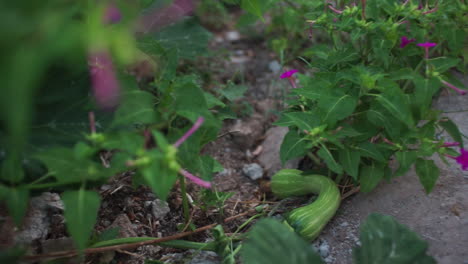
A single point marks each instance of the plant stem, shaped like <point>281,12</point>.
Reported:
<point>185,205</point>
<point>184,244</point>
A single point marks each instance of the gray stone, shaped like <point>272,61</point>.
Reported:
<point>324,250</point>
<point>125,226</point>
<point>232,36</point>
<point>37,221</point>
<point>205,257</point>
<point>159,208</point>
<point>274,66</point>
<point>246,132</point>
<point>253,171</point>
<point>270,158</point>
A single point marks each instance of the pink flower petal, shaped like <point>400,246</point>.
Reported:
<point>195,179</point>
<point>192,130</point>
<point>112,14</point>
<point>105,85</point>
<point>427,44</point>
<point>463,159</point>
<point>288,74</point>
<point>405,41</point>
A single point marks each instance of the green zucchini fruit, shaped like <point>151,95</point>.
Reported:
<point>308,220</point>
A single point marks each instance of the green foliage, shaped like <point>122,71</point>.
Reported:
<point>383,240</point>
<point>360,77</point>
<point>81,208</point>
<point>272,242</point>
<point>187,37</point>
<point>48,138</point>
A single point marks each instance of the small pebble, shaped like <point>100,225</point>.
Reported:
<point>232,36</point>
<point>253,171</point>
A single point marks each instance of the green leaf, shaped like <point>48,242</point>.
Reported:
<point>187,37</point>
<point>443,64</point>
<point>350,159</point>
<point>428,173</point>
<point>380,117</point>
<point>370,150</point>
<point>81,208</point>
<point>293,146</point>
<point>255,7</point>
<point>405,159</point>
<point>327,156</point>
<point>336,108</point>
<point>303,120</point>
<point>16,200</point>
<point>189,98</point>
<point>385,241</point>
<point>272,242</point>
<point>423,93</point>
<point>12,169</point>
<point>402,74</point>
<point>137,108</point>
<point>212,101</point>
<point>232,91</point>
<point>452,129</point>
<point>397,106</point>
<point>158,175</point>
<point>370,176</point>
<point>67,168</point>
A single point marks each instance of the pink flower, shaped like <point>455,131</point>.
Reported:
<point>450,144</point>
<point>463,159</point>
<point>196,180</point>
<point>334,9</point>
<point>426,46</point>
<point>112,14</point>
<point>192,130</point>
<point>456,89</point>
<point>405,41</point>
<point>288,74</point>
<point>105,85</point>
<point>186,174</point>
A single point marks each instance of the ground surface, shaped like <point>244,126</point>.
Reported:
<point>440,218</point>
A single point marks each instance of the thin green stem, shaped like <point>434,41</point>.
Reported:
<point>47,185</point>
<point>42,178</point>
<point>185,205</point>
<point>247,222</point>
<point>184,244</point>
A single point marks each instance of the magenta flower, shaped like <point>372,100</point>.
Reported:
<point>289,75</point>
<point>112,14</point>
<point>426,46</point>
<point>463,159</point>
<point>405,41</point>
<point>456,89</point>
<point>450,144</point>
<point>195,179</point>
<point>105,85</point>
<point>334,9</point>
<point>186,174</point>
<point>192,130</point>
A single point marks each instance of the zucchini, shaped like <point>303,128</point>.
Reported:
<point>308,220</point>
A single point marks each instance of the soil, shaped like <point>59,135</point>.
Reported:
<point>441,218</point>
